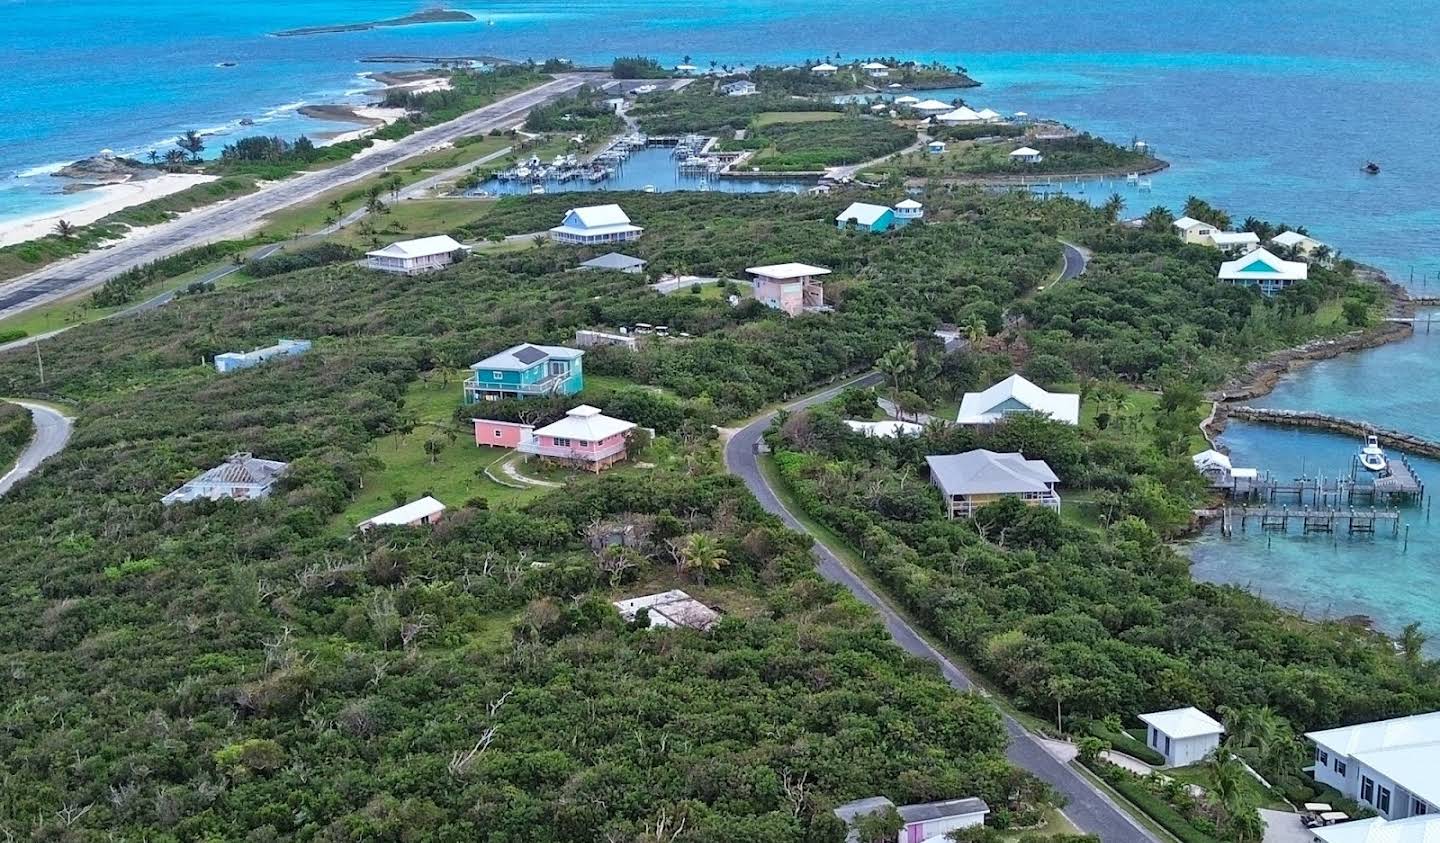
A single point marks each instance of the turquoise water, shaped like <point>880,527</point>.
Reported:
<point>1262,110</point>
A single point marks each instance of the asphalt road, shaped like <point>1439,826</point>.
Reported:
<point>52,432</point>
<point>1076,259</point>
<point>233,217</point>
<point>1087,807</point>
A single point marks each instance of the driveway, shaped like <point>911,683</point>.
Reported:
<point>1284,827</point>
<point>52,432</point>
<point>1088,808</point>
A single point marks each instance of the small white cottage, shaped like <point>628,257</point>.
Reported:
<point>411,257</point>
<point>1027,155</point>
<point>1183,735</point>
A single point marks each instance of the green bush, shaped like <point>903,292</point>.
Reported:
<point>1154,807</point>
<point>1123,741</point>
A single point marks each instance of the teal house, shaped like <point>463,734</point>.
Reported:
<point>862,216</point>
<point>526,371</point>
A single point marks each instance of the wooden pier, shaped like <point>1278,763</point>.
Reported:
<point>1279,519</point>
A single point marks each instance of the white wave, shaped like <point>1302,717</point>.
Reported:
<point>42,170</point>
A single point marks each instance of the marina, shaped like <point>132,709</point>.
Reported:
<point>637,162</point>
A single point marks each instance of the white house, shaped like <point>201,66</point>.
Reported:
<point>908,210</point>
<point>412,257</point>
<point>963,114</point>
<point>935,147</point>
<point>887,429</point>
<point>233,360</point>
<point>670,609</point>
<point>931,108</point>
<point>930,822</point>
<point>989,115</point>
<point>1264,271</point>
<point>595,224</point>
<point>1295,240</point>
<point>1418,829</point>
<point>1194,231</point>
<point>824,69</point>
<point>1235,242</point>
<point>976,478</point>
<point>1218,470</point>
<point>241,477</point>
<point>875,69</point>
<point>1017,395</point>
<point>1392,765</point>
<point>421,513</point>
<point>1027,155</point>
<point>1183,735</point>
<point>742,88</point>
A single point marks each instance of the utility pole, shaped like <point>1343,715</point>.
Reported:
<point>40,362</point>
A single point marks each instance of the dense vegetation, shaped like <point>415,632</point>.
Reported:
<point>1082,153</point>
<point>585,113</point>
<point>249,671</point>
<point>812,146</point>
<point>16,428</point>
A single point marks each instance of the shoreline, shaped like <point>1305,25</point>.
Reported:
<point>416,19</point>
<point>104,201</point>
<point>1008,179</point>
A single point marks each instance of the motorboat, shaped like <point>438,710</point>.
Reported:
<point>537,189</point>
<point>1372,456</point>
<point>649,188</point>
<point>1371,168</point>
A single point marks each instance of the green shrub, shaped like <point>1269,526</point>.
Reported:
<point>1122,741</point>
<point>1154,807</point>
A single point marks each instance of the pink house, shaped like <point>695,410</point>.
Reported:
<point>791,287</point>
<point>502,434</point>
<point>585,438</point>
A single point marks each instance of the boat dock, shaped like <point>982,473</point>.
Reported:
<point>1326,520</point>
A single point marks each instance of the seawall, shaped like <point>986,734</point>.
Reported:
<point>1322,421</point>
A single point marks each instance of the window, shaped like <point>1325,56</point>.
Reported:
<point>1322,757</point>
<point>1167,745</point>
<point>1418,808</point>
<point>499,376</point>
<point>1339,767</point>
<point>561,442</point>
<point>1382,801</point>
<point>497,433</point>
<point>1367,789</point>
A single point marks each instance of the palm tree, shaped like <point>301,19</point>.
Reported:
<point>336,206</point>
<point>192,143</point>
<point>154,156</point>
<point>1412,640</point>
<point>975,330</point>
<point>895,363</point>
<point>65,229</point>
<point>1112,207</point>
<point>700,554</point>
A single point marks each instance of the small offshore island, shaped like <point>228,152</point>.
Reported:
<point>427,16</point>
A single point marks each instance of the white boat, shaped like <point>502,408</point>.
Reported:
<point>537,189</point>
<point>649,188</point>
<point>1372,456</point>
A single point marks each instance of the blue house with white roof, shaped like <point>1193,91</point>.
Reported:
<point>862,216</point>
<point>526,371</point>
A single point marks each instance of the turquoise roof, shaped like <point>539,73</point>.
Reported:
<point>1258,266</point>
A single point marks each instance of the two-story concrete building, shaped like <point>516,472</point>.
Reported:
<point>1392,765</point>
<point>791,287</point>
<point>526,371</point>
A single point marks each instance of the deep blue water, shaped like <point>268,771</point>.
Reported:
<point>1262,110</point>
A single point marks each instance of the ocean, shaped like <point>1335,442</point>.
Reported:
<point>1261,110</point>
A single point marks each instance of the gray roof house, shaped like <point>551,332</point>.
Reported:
<point>975,478</point>
<point>241,477</point>
<point>615,262</point>
<point>929,822</point>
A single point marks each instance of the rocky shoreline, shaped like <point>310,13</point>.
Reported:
<point>1260,377</point>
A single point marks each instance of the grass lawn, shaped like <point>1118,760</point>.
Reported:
<point>1055,822</point>
<point>613,382</point>
<point>766,118</point>
<point>411,218</point>
<point>456,475</point>
<point>1201,775</point>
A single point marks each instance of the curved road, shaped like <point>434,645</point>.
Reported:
<point>52,432</point>
<point>1076,258</point>
<point>1088,808</point>
<point>235,216</point>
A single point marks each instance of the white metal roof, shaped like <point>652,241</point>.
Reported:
<point>1380,734</point>
<point>593,216</point>
<point>989,113</point>
<point>980,407</point>
<point>982,472</point>
<point>587,424</point>
<point>874,65</point>
<point>613,260</point>
<point>933,105</point>
<point>423,247</point>
<point>410,512</point>
<point>1412,767</point>
<point>1187,223</point>
<point>887,429</point>
<point>523,356</point>
<point>1424,828</point>
<point>1179,723</point>
<point>824,68</point>
<point>863,213</point>
<point>909,204</point>
<point>1292,238</point>
<point>785,271</point>
<point>906,100</point>
<point>1260,265</point>
<point>1235,238</point>
<point>1211,457</point>
<point>1024,152</point>
<point>963,114</point>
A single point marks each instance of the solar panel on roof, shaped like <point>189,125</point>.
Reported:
<point>530,354</point>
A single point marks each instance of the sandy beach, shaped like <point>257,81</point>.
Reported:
<point>100,202</point>
<point>373,116</point>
